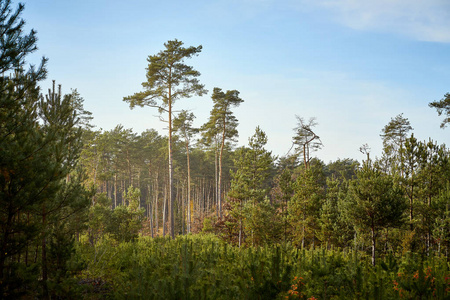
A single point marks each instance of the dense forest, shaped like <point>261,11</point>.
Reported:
<point>105,214</point>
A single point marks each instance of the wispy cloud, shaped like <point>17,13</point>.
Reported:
<point>425,20</point>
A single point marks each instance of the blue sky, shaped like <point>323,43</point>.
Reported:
<point>353,65</point>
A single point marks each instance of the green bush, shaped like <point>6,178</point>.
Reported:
<point>205,267</point>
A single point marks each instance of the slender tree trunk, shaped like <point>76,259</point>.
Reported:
<point>411,206</point>
<point>285,218</point>
<point>373,245</point>
<point>189,210</point>
<point>156,203</point>
<point>115,190</point>
<point>164,211</point>
<point>219,193</point>
<point>183,206</point>
<point>216,175</point>
<point>171,187</point>
<point>304,157</point>
<point>150,209</point>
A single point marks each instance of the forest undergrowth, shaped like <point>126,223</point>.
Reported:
<point>205,267</point>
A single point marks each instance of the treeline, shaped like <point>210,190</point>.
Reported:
<point>67,191</point>
<point>395,203</point>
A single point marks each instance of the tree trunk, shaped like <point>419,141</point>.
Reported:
<point>216,175</point>
<point>150,209</point>
<point>183,208</point>
<point>189,212</point>
<point>304,157</point>
<point>164,211</point>
<point>219,193</point>
<point>156,204</point>
<point>171,187</point>
<point>411,206</point>
<point>115,190</point>
<point>373,245</point>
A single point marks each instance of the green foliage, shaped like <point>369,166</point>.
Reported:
<point>126,221</point>
<point>305,139</point>
<point>334,228</point>
<point>42,201</point>
<point>24,169</point>
<point>249,186</point>
<point>222,122</point>
<point>253,167</point>
<point>394,135</point>
<point>169,79</point>
<point>204,267</point>
<point>262,222</point>
<point>304,207</point>
<point>374,202</point>
<point>99,215</point>
<point>220,129</point>
<point>443,107</point>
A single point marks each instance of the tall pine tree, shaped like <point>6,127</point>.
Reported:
<point>169,79</point>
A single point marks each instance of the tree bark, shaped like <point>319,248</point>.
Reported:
<point>171,187</point>
<point>373,245</point>
<point>115,190</point>
<point>219,193</point>
<point>188,188</point>
<point>164,211</point>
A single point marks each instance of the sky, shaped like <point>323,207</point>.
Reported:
<point>352,65</point>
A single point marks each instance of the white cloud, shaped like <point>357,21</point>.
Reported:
<point>425,20</point>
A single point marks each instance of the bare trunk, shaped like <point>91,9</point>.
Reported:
<point>183,206</point>
<point>216,197</point>
<point>164,211</point>
<point>373,245</point>
<point>411,206</point>
<point>219,193</point>
<point>156,204</point>
<point>304,157</point>
<point>189,213</point>
<point>171,187</point>
<point>150,210</point>
<point>115,190</point>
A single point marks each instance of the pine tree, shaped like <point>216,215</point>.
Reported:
<point>23,166</point>
<point>222,124</point>
<point>183,124</point>
<point>443,107</point>
<point>169,79</point>
<point>251,181</point>
<point>394,135</point>
<point>374,202</point>
<point>40,187</point>
<point>306,139</point>
<point>304,207</point>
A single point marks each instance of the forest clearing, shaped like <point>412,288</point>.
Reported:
<point>113,214</point>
